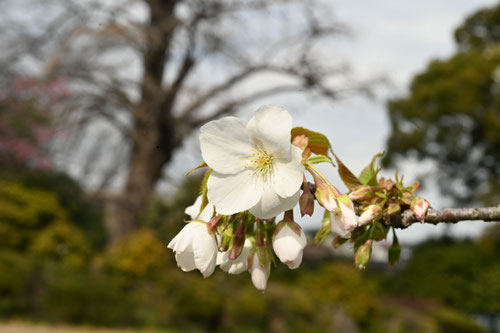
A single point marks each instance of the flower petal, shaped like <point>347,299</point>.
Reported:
<point>225,145</point>
<point>205,251</point>
<point>183,240</point>
<point>270,128</point>
<point>194,211</point>
<point>288,175</point>
<point>185,261</point>
<point>289,246</point>
<point>259,274</point>
<point>232,194</point>
<point>271,204</point>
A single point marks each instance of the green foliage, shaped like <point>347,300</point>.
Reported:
<point>84,212</point>
<point>23,212</point>
<point>460,274</point>
<point>451,114</point>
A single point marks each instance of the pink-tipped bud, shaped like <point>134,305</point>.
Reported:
<point>361,193</point>
<point>362,256</point>
<point>301,141</point>
<point>238,241</point>
<point>326,194</point>
<point>393,208</point>
<point>306,201</point>
<point>370,213</point>
<point>419,207</point>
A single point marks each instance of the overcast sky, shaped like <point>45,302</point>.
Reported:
<point>392,37</point>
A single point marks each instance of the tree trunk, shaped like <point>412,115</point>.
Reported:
<point>153,133</point>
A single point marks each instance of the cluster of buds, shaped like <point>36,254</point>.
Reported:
<point>257,171</point>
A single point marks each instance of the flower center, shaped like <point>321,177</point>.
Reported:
<point>261,162</point>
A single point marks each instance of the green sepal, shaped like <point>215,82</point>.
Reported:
<point>395,250</point>
<point>202,165</point>
<point>204,190</point>
<point>338,241</point>
<point>324,230</point>
<point>360,236</point>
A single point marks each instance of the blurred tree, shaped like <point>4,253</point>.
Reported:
<point>152,71</point>
<point>452,116</point>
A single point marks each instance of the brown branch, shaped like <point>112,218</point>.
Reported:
<point>448,215</point>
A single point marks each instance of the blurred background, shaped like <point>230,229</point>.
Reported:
<point>100,106</point>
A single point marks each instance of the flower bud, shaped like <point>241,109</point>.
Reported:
<point>393,208</point>
<point>306,201</point>
<point>370,213</point>
<point>343,219</point>
<point>214,221</point>
<point>361,193</point>
<point>238,240</point>
<point>326,194</point>
<point>238,265</point>
<point>362,256</point>
<point>259,270</point>
<point>288,243</point>
<point>419,207</point>
<point>301,141</point>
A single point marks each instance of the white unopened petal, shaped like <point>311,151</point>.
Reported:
<point>288,174</point>
<point>259,274</point>
<point>343,221</point>
<point>225,145</point>
<point>289,246</point>
<point>272,204</point>
<point>232,194</point>
<point>271,128</point>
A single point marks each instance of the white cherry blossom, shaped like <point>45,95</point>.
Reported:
<point>194,246</point>
<point>255,166</point>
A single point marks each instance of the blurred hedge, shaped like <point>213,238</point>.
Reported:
<point>51,270</point>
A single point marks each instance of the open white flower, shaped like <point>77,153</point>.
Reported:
<point>343,219</point>
<point>238,265</point>
<point>255,167</point>
<point>194,246</point>
<point>194,211</point>
<point>259,274</point>
<point>288,243</point>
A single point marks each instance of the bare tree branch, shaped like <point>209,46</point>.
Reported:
<point>448,215</point>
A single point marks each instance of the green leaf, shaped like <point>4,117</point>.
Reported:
<point>349,179</point>
<point>360,236</point>
<point>324,230</point>
<point>369,174</point>
<point>202,165</point>
<point>394,250</point>
<point>318,143</point>
<point>378,231</point>
<point>319,159</point>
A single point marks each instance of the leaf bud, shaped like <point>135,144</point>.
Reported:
<point>419,207</point>
<point>361,193</point>
<point>393,208</point>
